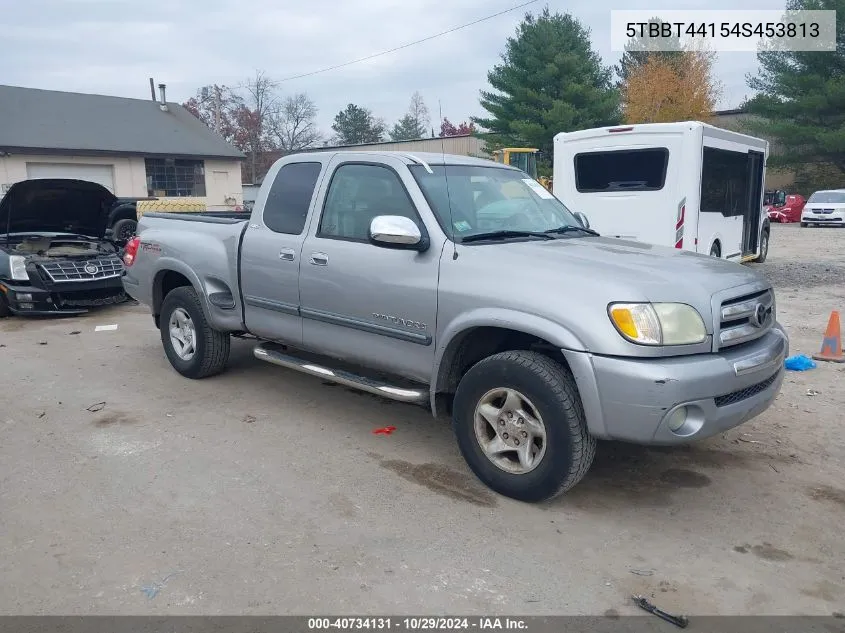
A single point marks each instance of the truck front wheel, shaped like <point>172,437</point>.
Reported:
<point>193,347</point>
<point>521,427</point>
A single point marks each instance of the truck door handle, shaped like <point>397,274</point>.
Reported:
<point>287,254</point>
<point>319,259</point>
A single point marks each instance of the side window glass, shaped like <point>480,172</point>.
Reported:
<point>359,193</point>
<point>290,197</point>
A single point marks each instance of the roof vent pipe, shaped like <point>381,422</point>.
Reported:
<point>162,102</point>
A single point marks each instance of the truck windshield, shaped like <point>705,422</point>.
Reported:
<point>485,199</point>
<point>828,197</point>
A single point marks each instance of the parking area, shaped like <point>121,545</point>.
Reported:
<point>126,489</point>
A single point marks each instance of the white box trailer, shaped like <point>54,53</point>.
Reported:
<point>689,185</point>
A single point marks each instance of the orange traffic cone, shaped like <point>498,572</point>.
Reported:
<point>832,341</point>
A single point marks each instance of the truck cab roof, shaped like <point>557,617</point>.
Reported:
<point>410,158</point>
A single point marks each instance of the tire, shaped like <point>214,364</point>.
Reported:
<point>764,247</point>
<point>4,306</point>
<point>550,390</point>
<point>210,347</point>
<point>716,250</point>
<point>123,230</point>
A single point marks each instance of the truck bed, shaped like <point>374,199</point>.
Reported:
<point>187,242</point>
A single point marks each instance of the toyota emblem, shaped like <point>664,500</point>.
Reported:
<point>91,269</point>
<point>760,314</point>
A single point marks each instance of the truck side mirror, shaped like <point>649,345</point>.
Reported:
<point>582,219</point>
<point>396,231</point>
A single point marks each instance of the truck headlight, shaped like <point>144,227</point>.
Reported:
<point>658,323</point>
<point>18,266</point>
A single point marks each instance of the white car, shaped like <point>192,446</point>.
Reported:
<point>825,207</point>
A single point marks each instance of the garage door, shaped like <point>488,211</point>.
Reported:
<point>103,174</point>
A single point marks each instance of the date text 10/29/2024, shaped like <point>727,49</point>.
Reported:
<point>417,624</point>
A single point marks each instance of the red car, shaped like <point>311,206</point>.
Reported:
<point>783,208</point>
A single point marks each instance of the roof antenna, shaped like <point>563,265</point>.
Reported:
<point>446,176</point>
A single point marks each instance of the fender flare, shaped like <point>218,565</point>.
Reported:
<point>503,318</point>
<point>168,264</point>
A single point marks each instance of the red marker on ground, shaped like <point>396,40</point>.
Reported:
<point>387,430</point>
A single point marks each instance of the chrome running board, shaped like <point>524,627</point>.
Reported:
<point>266,353</point>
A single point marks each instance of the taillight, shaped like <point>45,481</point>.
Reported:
<point>131,250</point>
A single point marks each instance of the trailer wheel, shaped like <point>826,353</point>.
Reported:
<point>764,247</point>
<point>716,250</point>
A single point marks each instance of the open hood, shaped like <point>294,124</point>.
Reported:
<point>56,205</point>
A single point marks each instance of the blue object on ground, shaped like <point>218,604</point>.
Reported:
<point>801,362</point>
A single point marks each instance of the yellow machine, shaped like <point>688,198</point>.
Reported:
<point>524,158</point>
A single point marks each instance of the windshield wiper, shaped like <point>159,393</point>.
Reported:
<point>569,228</point>
<point>503,235</point>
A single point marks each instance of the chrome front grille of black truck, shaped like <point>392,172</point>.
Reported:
<point>746,318</point>
<point>82,270</point>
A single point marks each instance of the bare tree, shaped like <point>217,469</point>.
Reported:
<point>419,112</point>
<point>255,116</point>
<point>293,124</point>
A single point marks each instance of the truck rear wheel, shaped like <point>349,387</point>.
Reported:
<point>193,348</point>
<point>521,427</point>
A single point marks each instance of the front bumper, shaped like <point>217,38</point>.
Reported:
<point>74,298</point>
<point>835,218</point>
<point>633,400</point>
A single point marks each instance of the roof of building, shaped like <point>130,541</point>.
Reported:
<point>75,123</point>
<point>729,112</point>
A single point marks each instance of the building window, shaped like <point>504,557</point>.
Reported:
<point>172,177</point>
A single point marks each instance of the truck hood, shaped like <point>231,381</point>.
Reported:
<point>55,205</point>
<point>568,283</point>
<point>641,266</point>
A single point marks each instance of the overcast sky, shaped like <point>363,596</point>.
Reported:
<point>114,46</point>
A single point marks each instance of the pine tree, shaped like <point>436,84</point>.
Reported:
<point>800,106</point>
<point>550,80</point>
<point>356,125</point>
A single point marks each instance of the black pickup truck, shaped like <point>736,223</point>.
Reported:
<point>60,246</point>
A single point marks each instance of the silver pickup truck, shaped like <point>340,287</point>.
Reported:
<point>464,285</point>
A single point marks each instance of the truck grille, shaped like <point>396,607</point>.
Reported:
<point>83,270</point>
<point>746,318</point>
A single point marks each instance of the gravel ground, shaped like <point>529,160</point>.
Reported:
<point>264,491</point>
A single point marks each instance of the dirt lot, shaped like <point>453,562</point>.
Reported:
<point>264,491</point>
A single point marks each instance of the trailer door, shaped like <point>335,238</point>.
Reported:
<point>725,191</point>
<point>754,210</point>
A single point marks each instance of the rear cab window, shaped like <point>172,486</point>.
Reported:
<point>289,198</point>
<point>621,170</point>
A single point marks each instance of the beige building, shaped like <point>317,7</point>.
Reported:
<point>134,147</point>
